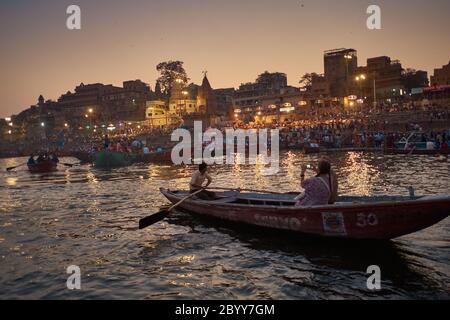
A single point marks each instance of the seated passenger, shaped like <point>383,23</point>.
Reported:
<point>319,190</point>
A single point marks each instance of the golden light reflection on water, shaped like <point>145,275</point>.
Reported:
<point>186,259</point>
<point>11,181</point>
<point>92,179</point>
<point>359,174</point>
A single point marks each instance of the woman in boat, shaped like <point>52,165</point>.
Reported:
<point>319,190</point>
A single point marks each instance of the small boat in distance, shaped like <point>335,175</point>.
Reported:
<point>111,159</point>
<point>43,166</point>
<point>370,218</point>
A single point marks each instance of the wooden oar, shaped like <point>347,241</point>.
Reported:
<point>12,168</point>
<point>68,164</point>
<point>161,215</point>
<point>248,190</point>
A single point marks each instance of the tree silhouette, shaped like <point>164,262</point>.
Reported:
<point>170,71</point>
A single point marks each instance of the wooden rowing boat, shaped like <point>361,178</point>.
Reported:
<point>352,217</point>
<point>43,167</point>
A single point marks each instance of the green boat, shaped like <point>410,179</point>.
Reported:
<point>111,159</point>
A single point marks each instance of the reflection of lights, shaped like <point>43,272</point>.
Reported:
<point>259,113</point>
<point>236,115</point>
<point>11,181</point>
<point>351,103</point>
<point>10,124</point>
<point>86,116</point>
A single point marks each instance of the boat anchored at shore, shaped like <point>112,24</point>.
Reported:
<point>370,218</point>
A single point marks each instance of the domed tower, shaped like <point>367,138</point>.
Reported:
<point>41,100</point>
<point>206,100</point>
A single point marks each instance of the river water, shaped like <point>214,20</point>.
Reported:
<point>88,217</point>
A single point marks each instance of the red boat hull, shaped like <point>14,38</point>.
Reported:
<point>43,167</point>
<point>375,221</point>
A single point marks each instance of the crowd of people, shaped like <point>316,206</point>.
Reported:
<point>329,128</point>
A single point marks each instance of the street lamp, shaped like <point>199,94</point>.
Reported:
<point>359,79</point>
<point>185,94</point>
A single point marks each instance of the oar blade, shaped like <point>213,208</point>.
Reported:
<point>154,218</point>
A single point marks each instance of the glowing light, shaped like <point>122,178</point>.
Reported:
<point>66,125</point>
<point>42,124</point>
<point>9,132</point>
<point>8,119</point>
<point>287,109</point>
<point>91,110</point>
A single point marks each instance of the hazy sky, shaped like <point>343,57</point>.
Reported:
<point>234,40</point>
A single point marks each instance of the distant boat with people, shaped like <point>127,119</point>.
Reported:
<point>42,167</point>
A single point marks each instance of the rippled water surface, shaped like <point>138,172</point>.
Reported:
<point>88,217</point>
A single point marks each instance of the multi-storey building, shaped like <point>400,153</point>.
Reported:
<point>339,65</point>
<point>441,76</point>
<point>382,78</point>
<point>249,95</point>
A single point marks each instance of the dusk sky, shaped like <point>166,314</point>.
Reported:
<point>234,40</point>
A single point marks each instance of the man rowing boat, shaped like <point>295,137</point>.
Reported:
<point>198,178</point>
